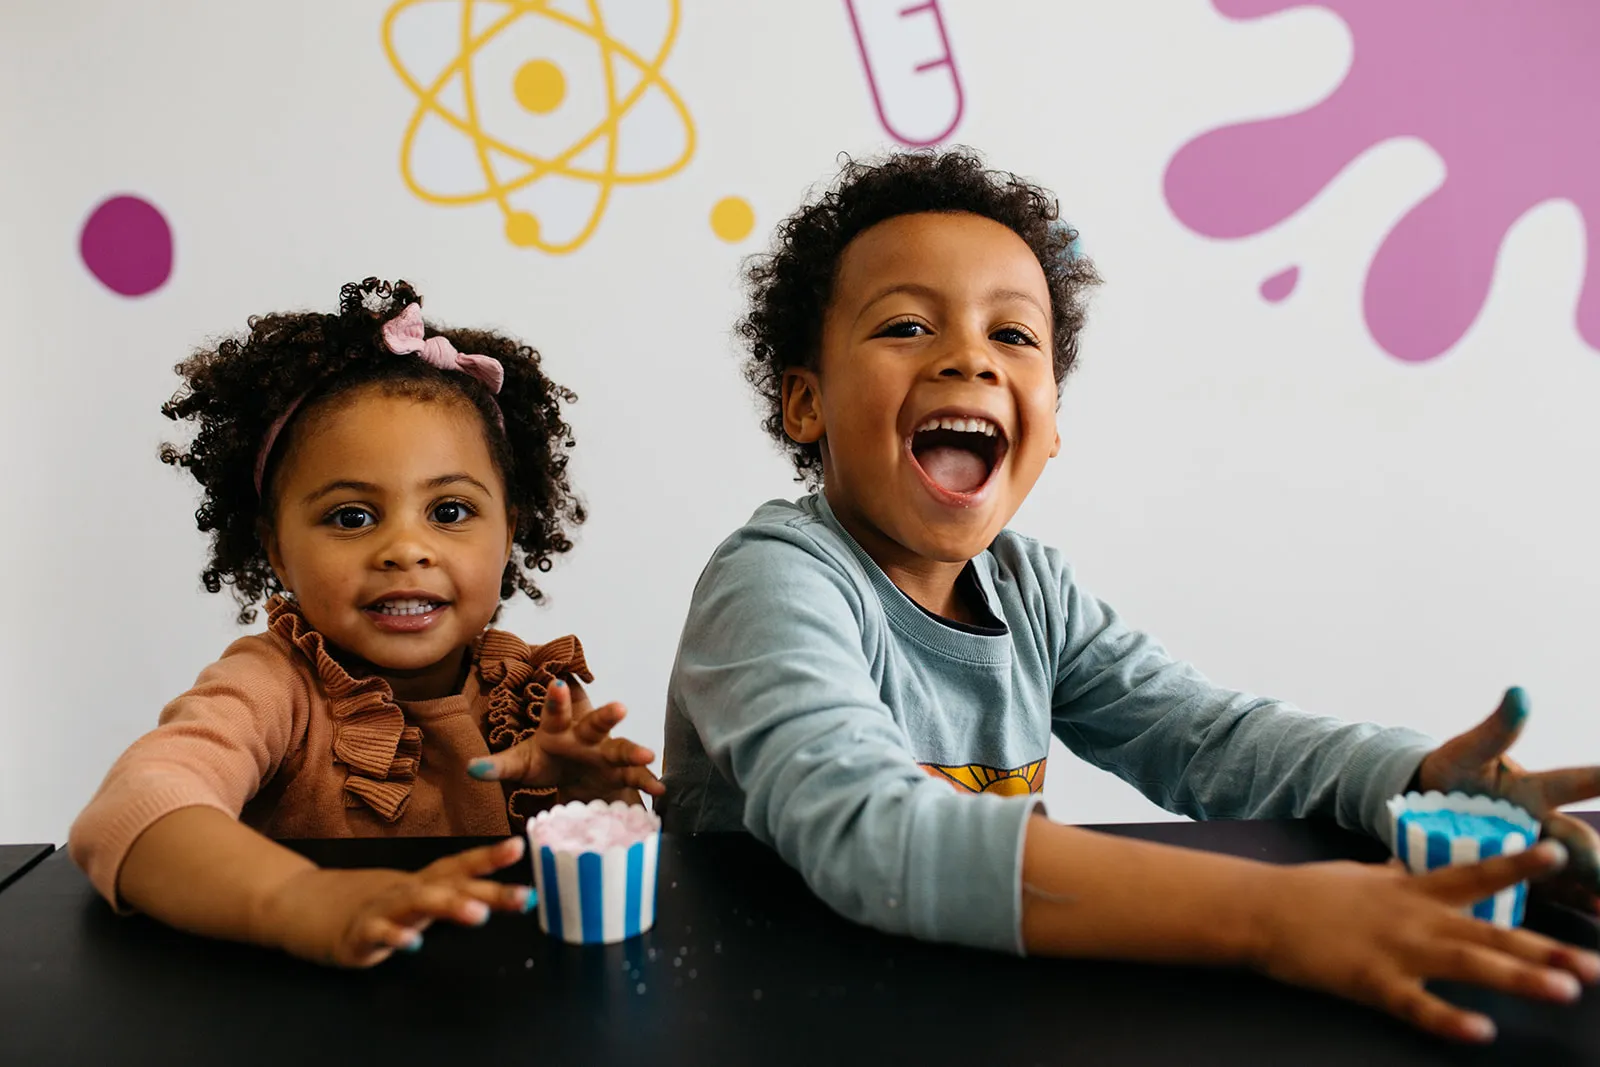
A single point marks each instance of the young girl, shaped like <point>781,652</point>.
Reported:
<point>385,486</point>
<point>856,665</point>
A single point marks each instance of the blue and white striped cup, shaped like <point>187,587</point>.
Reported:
<point>595,897</point>
<point>1425,839</point>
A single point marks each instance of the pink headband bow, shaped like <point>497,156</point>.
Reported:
<point>402,335</point>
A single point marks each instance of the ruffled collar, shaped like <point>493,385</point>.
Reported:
<point>515,677</point>
<point>383,753</point>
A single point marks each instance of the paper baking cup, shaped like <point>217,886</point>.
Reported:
<point>1422,848</point>
<point>601,894</point>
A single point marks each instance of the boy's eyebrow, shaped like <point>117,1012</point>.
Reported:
<point>928,292</point>
<point>997,295</point>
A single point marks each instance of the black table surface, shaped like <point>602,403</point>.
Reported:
<point>17,860</point>
<point>743,966</point>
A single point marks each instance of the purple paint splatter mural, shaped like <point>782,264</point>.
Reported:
<point>1505,91</point>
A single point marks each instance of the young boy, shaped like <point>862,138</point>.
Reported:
<point>857,665</point>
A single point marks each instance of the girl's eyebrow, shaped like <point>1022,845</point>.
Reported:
<point>368,487</point>
<point>342,483</point>
<point>460,476</point>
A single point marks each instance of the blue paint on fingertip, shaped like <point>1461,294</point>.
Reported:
<point>1516,704</point>
<point>530,900</point>
<point>414,945</point>
<point>482,769</point>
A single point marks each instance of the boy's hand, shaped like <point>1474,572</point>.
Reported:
<point>1375,934</point>
<point>361,918</point>
<point>573,751</point>
<point>1475,762</point>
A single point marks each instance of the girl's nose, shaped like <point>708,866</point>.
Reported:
<point>405,550</point>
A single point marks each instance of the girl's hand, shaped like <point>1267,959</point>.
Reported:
<point>1475,762</point>
<point>360,918</point>
<point>1375,934</point>
<point>573,750</point>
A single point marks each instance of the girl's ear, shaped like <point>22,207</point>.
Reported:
<point>511,532</point>
<point>269,541</point>
<point>802,406</point>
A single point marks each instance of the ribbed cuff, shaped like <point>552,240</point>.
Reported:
<point>103,835</point>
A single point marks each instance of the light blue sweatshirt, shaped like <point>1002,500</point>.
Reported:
<point>817,706</point>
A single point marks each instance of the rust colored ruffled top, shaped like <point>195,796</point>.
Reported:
<point>282,736</point>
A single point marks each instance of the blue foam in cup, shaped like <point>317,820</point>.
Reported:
<point>1433,830</point>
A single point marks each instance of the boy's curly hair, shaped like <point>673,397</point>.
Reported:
<point>234,391</point>
<point>790,287</point>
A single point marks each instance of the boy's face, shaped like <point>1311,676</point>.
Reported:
<point>392,531</point>
<point>935,397</point>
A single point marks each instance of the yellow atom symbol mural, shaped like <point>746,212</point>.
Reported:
<point>542,107</point>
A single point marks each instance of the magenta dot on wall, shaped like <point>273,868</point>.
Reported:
<point>1280,285</point>
<point>127,244</point>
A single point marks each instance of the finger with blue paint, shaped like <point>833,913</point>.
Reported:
<point>1475,762</point>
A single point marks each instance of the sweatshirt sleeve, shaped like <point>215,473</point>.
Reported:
<point>216,745</point>
<point>774,677</point>
<point>1122,703</point>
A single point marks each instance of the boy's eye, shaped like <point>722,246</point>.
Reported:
<point>352,518</point>
<point>907,328</point>
<point>1013,335</point>
<point>450,512</point>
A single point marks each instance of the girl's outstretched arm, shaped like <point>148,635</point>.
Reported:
<point>201,871</point>
<point>1371,933</point>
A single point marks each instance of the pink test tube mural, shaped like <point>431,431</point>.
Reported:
<point>911,71</point>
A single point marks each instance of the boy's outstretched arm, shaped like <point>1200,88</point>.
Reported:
<point>1373,934</point>
<point>1122,703</point>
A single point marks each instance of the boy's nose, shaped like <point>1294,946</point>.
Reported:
<point>969,358</point>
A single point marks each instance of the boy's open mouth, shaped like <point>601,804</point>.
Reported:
<point>958,454</point>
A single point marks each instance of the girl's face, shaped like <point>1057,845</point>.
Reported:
<point>392,531</point>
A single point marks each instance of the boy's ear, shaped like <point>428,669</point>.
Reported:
<point>1055,449</point>
<point>802,406</point>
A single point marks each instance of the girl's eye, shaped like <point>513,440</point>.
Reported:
<point>450,512</point>
<point>1014,335</point>
<point>906,328</point>
<point>352,518</point>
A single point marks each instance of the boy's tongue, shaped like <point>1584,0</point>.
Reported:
<point>958,470</point>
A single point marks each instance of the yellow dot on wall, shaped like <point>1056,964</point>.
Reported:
<point>732,218</point>
<point>522,229</point>
<point>540,86</point>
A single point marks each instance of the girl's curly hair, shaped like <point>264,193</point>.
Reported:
<point>790,287</point>
<point>235,390</point>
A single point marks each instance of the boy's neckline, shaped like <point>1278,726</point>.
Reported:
<point>935,587</point>
<point>966,584</point>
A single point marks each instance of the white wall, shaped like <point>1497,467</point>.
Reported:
<point>1259,484</point>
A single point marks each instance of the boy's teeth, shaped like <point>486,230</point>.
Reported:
<point>406,607</point>
<point>983,426</point>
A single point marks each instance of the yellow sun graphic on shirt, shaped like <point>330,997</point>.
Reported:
<point>976,778</point>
